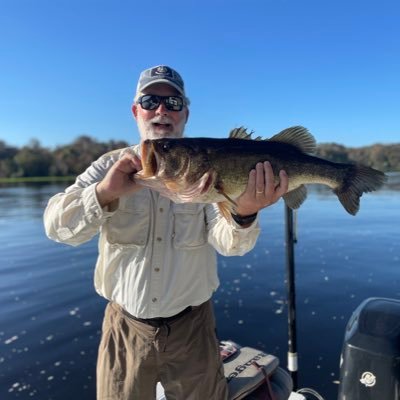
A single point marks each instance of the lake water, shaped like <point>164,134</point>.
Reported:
<point>51,317</point>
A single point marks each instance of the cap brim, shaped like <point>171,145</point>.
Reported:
<point>163,81</point>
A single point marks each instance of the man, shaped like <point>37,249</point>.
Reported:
<point>157,260</point>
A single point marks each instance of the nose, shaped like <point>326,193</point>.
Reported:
<point>161,109</point>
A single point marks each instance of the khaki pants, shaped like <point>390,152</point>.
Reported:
<point>183,355</point>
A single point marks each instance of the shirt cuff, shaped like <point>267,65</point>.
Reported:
<point>93,210</point>
<point>253,225</point>
<point>247,220</point>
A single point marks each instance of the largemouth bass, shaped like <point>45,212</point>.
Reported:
<point>208,170</point>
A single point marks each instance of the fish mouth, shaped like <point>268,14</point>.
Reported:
<point>150,161</point>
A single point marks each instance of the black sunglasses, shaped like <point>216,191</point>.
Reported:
<point>152,102</point>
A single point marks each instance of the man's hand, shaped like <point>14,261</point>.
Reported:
<point>118,180</point>
<point>261,190</point>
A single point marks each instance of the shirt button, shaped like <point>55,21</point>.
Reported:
<point>159,239</point>
<point>161,209</point>
<point>157,269</point>
<point>154,299</point>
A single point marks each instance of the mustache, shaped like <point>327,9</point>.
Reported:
<point>161,120</point>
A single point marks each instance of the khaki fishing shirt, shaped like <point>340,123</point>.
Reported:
<point>155,257</point>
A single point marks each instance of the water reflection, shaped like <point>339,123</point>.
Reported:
<point>51,316</point>
<point>26,200</point>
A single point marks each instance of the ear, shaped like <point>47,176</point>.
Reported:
<point>187,114</point>
<point>134,110</point>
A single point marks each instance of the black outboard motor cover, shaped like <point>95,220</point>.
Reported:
<point>370,360</point>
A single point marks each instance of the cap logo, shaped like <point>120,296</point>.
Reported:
<point>161,70</point>
<point>160,73</point>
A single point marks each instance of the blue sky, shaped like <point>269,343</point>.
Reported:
<point>70,68</point>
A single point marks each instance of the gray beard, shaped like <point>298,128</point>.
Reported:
<point>147,132</point>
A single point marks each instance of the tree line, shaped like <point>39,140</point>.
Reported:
<point>34,160</point>
<point>385,157</point>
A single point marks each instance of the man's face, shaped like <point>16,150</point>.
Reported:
<point>161,122</point>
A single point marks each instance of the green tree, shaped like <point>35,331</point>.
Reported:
<point>333,152</point>
<point>8,167</point>
<point>33,160</point>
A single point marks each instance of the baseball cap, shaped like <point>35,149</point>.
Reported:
<point>160,74</point>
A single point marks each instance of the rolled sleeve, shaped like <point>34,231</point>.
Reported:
<point>228,237</point>
<point>75,216</point>
<point>92,209</point>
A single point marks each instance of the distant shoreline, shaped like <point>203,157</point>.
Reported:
<point>392,175</point>
<point>44,179</point>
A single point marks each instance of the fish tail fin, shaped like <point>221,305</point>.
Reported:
<point>360,179</point>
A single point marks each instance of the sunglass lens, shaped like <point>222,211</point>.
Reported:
<point>174,103</point>
<point>149,102</point>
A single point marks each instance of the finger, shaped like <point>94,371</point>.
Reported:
<point>260,180</point>
<point>282,188</point>
<point>251,183</point>
<point>269,178</point>
<point>137,162</point>
<point>128,164</point>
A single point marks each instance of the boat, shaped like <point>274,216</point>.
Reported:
<point>369,360</point>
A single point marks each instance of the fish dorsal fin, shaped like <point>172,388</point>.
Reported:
<point>297,136</point>
<point>241,133</point>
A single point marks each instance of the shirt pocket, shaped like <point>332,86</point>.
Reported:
<point>130,224</point>
<point>189,229</point>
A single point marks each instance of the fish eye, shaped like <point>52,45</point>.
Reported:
<point>165,146</point>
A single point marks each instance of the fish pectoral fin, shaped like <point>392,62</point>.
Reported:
<point>221,191</point>
<point>172,185</point>
<point>295,197</point>
<point>225,208</point>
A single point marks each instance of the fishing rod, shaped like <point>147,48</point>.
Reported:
<point>371,343</point>
<point>290,240</point>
